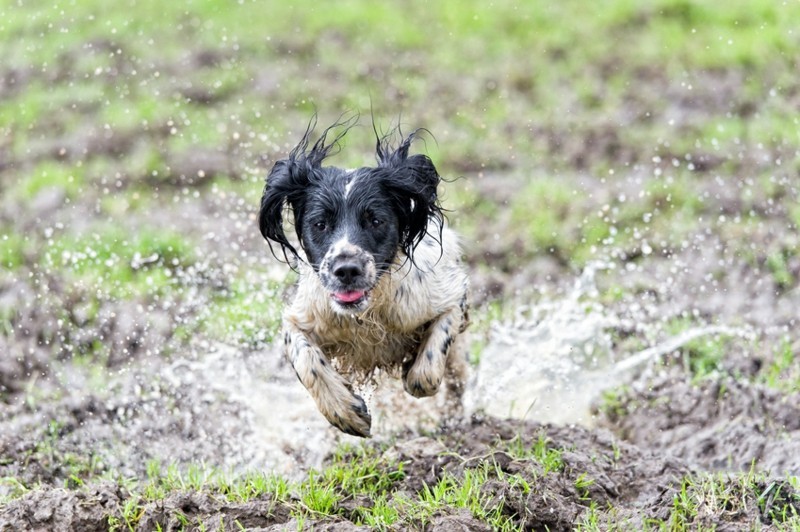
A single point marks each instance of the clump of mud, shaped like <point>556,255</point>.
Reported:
<point>724,424</point>
<point>627,477</point>
<point>98,508</point>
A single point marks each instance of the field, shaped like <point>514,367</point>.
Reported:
<point>626,177</point>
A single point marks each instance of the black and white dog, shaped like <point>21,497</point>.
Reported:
<point>381,283</point>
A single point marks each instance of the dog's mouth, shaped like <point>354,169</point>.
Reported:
<point>350,298</point>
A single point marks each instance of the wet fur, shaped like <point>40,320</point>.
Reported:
<point>415,306</point>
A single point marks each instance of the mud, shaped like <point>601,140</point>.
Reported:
<point>80,424</point>
<point>726,425</point>
<point>639,485</point>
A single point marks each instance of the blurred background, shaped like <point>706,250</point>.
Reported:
<point>639,159</point>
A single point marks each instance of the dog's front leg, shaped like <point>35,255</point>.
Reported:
<point>332,393</point>
<point>425,373</point>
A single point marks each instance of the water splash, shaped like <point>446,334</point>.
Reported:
<point>547,363</point>
<point>554,358</point>
<point>535,366</point>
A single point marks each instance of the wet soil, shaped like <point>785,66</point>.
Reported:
<point>75,423</point>
<point>724,425</point>
<point>638,483</point>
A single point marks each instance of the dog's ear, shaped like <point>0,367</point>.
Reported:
<point>412,182</point>
<point>286,185</point>
<point>289,181</point>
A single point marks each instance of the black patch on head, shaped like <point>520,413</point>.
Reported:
<point>365,214</point>
<point>387,208</point>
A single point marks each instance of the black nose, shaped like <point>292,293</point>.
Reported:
<point>348,271</point>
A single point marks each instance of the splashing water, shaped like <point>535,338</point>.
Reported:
<point>536,366</point>
<point>546,364</point>
<point>553,359</point>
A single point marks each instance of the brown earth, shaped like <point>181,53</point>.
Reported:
<point>184,402</point>
<point>639,483</point>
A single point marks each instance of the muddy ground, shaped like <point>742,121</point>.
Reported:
<point>108,376</point>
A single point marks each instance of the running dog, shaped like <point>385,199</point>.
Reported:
<point>381,285</point>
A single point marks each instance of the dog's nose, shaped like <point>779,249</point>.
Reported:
<point>348,271</point>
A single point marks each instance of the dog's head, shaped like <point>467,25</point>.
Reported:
<point>351,224</point>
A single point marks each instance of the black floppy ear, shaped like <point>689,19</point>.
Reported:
<point>286,185</point>
<point>289,180</point>
<point>412,182</point>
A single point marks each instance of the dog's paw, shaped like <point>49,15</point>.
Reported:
<point>352,418</point>
<point>419,381</point>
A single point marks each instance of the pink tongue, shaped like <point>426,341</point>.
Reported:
<point>348,297</point>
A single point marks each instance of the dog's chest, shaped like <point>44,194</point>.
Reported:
<point>404,304</point>
<point>358,345</point>
<point>384,336</point>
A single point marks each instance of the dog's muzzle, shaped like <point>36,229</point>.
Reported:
<point>349,275</point>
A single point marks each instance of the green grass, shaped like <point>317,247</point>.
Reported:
<point>671,32</point>
<point>132,200</point>
<point>552,216</point>
<point>247,311</point>
<point>12,250</point>
<point>87,272</point>
<point>540,209</point>
<point>244,315</point>
<point>702,499</point>
<point>115,263</point>
<point>162,481</point>
<point>481,321</point>
<point>74,468</point>
<point>614,402</point>
<point>352,472</point>
<point>778,265</point>
<point>363,486</point>
<point>465,492</point>
<point>49,174</point>
<point>12,488</point>
<point>702,357</point>
<point>708,501</point>
<point>532,94</point>
<point>782,371</point>
<point>539,450</point>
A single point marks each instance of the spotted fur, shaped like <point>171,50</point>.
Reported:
<point>381,284</point>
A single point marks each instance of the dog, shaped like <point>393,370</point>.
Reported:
<point>381,284</point>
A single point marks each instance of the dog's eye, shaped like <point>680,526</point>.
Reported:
<point>320,226</point>
<point>376,222</point>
